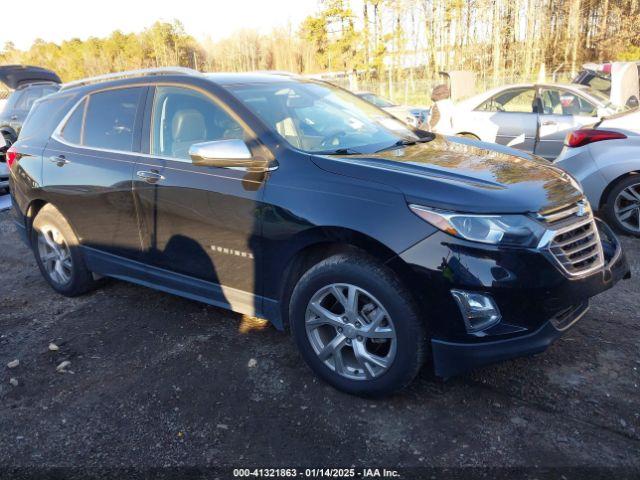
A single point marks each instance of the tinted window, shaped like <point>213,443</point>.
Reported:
<point>32,94</point>
<point>516,101</point>
<point>72,130</point>
<point>44,117</point>
<point>110,119</point>
<point>182,117</point>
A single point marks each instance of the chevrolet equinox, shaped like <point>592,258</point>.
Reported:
<point>380,247</point>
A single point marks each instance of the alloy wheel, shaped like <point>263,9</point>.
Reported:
<point>351,331</point>
<point>55,255</point>
<point>627,207</point>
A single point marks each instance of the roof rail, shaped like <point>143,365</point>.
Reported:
<point>131,74</point>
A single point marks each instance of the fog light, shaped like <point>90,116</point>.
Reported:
<point>479,311</point>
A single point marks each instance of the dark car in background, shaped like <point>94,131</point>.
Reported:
<point>380,247</point>
<point>26,84</point>
<point>23,85</point>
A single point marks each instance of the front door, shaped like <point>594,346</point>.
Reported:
<point>562,111</point>
<point>509,118</point>
<point>201,223</point>
<point>88,167</point>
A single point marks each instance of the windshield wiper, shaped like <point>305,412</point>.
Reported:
<point>405,142</point>
<point>340,151</point>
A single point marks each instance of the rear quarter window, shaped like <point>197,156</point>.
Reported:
<point>72,130</point>
<point>45,116</point>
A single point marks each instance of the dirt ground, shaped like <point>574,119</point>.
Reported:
<point>160,381</point>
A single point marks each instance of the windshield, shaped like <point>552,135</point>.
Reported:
<point>606,102</point>
<point>376,100</point>
<point>320,118</point>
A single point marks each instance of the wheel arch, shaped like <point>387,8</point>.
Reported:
<point>32,211</point>
<point>322,242</point>
<point>611,185</point>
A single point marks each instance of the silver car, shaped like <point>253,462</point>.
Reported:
<point>535,118</point>
<point>606,162</point>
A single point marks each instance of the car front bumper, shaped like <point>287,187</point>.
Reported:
<point>536,300</point>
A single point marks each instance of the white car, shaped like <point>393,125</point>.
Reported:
<point>607,164</point>
<point>620,81</point>
<point>535,118</point>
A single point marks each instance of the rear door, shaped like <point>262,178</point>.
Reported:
<point>88,168</point>
<point>511,118</point>
<point>561,112</point>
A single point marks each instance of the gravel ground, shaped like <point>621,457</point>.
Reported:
<point>156,380</point>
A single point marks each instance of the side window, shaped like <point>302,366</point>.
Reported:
<point>110,119</point>
<point>562,102</point>
<point>515,101</point>
<point>182,117</point>
<point>72,130</point>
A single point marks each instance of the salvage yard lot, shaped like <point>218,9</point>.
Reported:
<point>156,380</point>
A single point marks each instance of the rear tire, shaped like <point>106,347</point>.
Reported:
<point>622,208</point>
<point>58,255</point>
<point>373,349</point>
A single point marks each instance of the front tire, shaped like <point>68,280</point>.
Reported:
<point>57,253</point>
<point>622,207</point>
<point>357,326</point>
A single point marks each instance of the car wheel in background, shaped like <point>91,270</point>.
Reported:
<point>57,253</point>
<point>357,326</point>
<point>622,207</point>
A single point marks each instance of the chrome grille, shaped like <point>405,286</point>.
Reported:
<point>575,243</point>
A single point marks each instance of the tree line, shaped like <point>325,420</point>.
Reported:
<point>383,39</point>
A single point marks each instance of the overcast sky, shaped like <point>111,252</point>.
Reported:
<point>61,20</point>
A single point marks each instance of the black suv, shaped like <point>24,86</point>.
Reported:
<point>290,199</point>
<point>27,84</point>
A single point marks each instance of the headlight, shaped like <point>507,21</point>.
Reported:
<point>512,230</point>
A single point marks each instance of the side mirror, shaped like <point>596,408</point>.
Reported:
<point>221,153</point>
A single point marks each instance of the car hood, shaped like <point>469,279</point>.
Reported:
<point>463,175</point>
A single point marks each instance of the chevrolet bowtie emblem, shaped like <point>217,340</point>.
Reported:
<point>582,210</point>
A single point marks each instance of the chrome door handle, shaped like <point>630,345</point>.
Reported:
<point>59,160</point>
<point>14,117</point>
<point>549,122</point>
<point>150,177</point>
